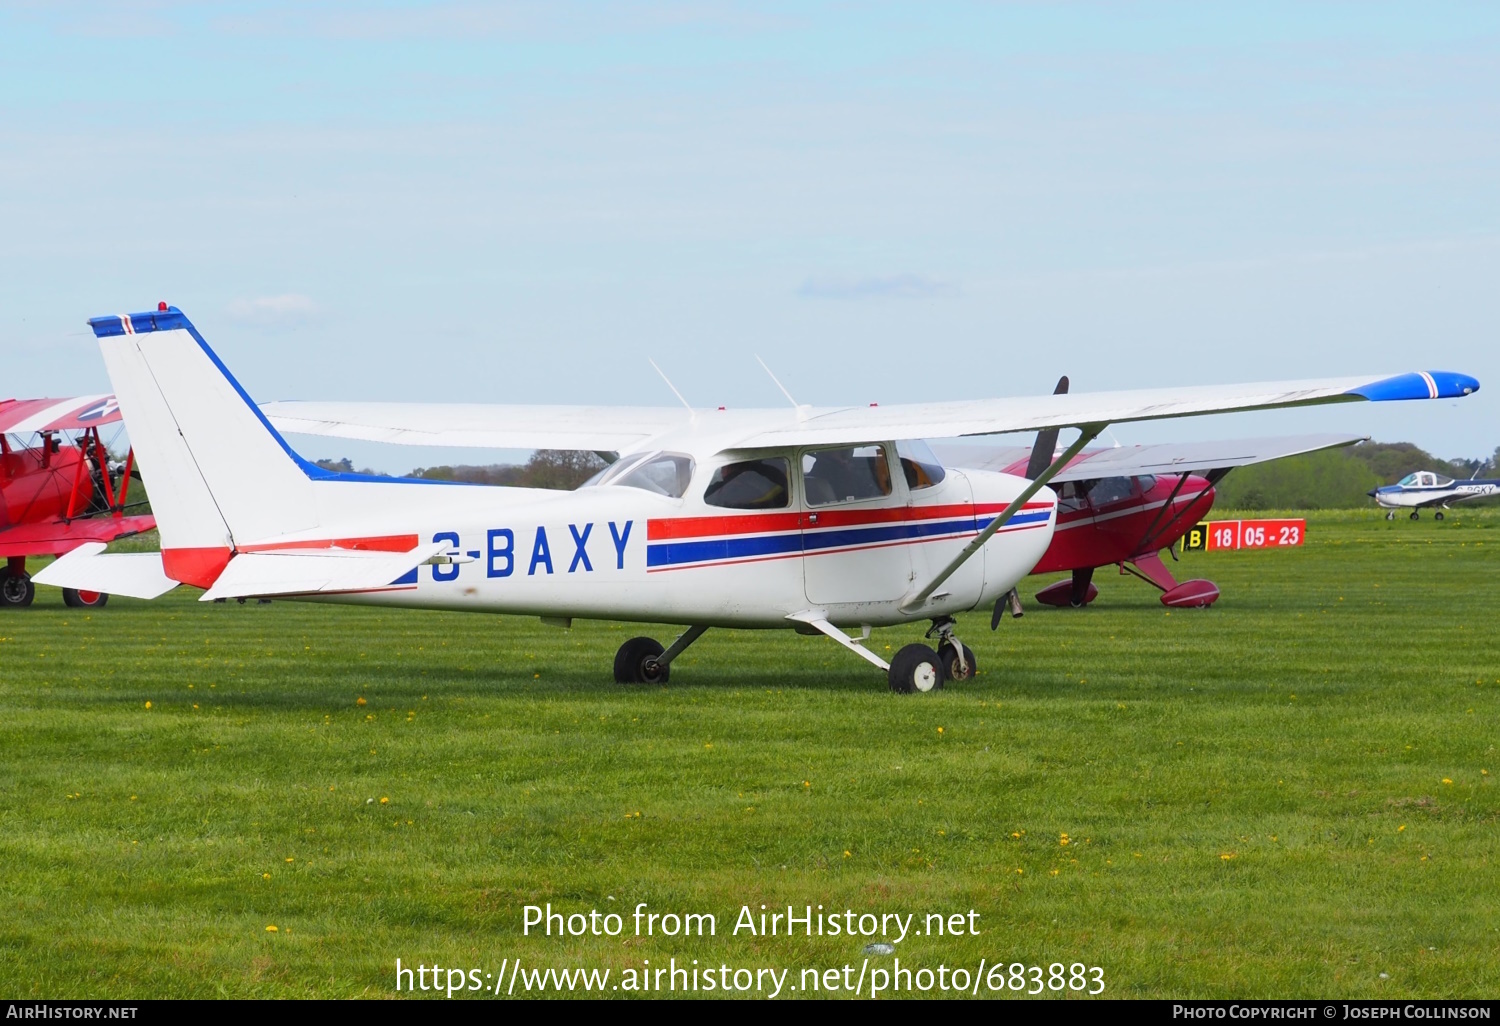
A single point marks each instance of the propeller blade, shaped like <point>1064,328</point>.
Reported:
<point>1046,441</point>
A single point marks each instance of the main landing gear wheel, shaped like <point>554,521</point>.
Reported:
<point>952,669</point>
<point>1415,515</point>
<point>916,668</point>
<point>636,663</point>
<point>1438,515</point>
<point>1391,515</point>
<point>75,599</point>
<point>16,589</point>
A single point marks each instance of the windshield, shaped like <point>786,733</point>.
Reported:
<point>919,465</point>
<point>665,473</point>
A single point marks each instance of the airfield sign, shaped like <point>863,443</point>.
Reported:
<point>1212,536</point>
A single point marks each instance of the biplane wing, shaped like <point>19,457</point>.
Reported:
<point>29,416</point>
<point>55,537</point>
<point>1135,460</point>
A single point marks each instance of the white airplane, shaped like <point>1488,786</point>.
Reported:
<point>1425,488</point>
<point>815,519</point>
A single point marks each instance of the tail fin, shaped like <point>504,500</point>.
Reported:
<point>220,475</point>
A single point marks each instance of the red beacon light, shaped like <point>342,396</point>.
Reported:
<point>161,307</point>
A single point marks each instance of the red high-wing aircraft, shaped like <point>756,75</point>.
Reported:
<point>56,493</point>
<point>1123,506</point>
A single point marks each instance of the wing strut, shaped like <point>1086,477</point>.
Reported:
<point>1087,433</point>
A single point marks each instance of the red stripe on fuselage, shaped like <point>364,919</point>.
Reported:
<point>673,529</point>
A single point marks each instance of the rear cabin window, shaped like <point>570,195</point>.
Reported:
<point>750,484</point>
<point>846,474</point>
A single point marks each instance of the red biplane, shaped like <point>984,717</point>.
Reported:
<point>58,488</point>
<point>1123,506</point>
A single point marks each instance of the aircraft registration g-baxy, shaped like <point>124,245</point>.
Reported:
<point>816,519</point>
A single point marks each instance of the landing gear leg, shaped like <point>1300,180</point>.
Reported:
<point>956,658</point>
<point>1081,581</point>
<point>1391,515</point>
<point>644,661</point>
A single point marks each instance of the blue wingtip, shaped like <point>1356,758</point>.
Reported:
<point>1419,385</point>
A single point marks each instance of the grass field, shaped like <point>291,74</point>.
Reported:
<point>1290,794</point>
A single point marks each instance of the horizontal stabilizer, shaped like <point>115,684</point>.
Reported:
<point>87,568</point>
<point>313,572</point>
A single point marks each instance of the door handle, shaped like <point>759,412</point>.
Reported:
<point>812,518</point>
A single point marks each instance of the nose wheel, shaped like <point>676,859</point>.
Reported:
<point>1391,515</point>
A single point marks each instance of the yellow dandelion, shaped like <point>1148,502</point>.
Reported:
<point>360,700</point>
<point>1401,828</point>
<point>847,853</point>
<point>132,797</point>
<point>265,876</point>
<point>1484,773</point>
<point>148,705</point>
<point>1015,833</point>
<point>1020,872</point>
<point>1447,780</point>
<point>536,676</point>
<point>940,730</point>
<point>271,928</point>
<point>1226,856</point>
<point>1054,872</point>
<point>291,860</point>
<point>195,705</point>
<point>807,783</point>
<point>331,787</point>
<point>385,801</point>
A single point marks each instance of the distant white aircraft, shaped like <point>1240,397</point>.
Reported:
<point>815,519</point>
<point>1425,488</point>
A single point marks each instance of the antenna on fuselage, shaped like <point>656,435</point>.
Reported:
<point>669,384</point>
<point>795,404</point>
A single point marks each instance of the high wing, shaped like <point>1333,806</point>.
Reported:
<point>618,428</point>
<point>27,416</point>
<point>605,428</point>
<point>1134,460</point>
<point>55,537</point>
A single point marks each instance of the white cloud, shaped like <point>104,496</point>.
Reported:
<point>907,286</point>
<point>289,310</point>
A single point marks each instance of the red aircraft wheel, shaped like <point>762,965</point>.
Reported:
<point>16,589</point>
<point>76,599</point>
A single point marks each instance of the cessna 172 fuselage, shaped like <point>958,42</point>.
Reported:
<point>814,519</point>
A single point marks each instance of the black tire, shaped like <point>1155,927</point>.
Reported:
<point>1391,515</point>
<point>948,656</point>
<point>1415,515</point>
<point>916,668</point>
<point>75,599</point>
<point>16,589</point>
<point>636,663</point>
<point>1438,515</point>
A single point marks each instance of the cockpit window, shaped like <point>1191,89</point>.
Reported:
<point>845,474</point>
<point>666,473</point>
<point>1408,480</point>
<point>1441,481</point>
<point>751,484</point>
<point>918,464</point>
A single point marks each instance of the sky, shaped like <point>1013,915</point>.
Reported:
<point>526,202</point>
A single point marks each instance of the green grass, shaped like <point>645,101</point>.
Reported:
<point>1284,795</point>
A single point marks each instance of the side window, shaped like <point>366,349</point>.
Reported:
<point>1071,497</point>
<point>920,467</point>
<point>1109,490</point>
<point>751,484</point>
<point>665,474</point>
<point>846,474</point>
